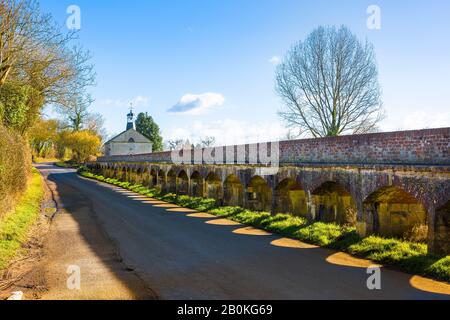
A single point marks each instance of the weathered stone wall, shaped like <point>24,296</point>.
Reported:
<point>430,146</point>
<point>405,147</point>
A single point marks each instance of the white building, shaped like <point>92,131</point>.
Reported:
<point>129,142</point>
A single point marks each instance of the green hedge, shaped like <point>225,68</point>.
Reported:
<point>15,165</point>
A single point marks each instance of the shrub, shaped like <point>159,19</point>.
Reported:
<point>322,234</point>
<point>440,269</point>
<point>15,165</point>
<point>387,250</point>
<point>19,106</point>
<point>82,143</point>
<point>226,211</point>
<point>170,197</point>
<point>206,205</point>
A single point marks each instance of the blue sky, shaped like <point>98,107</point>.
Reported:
<point>218,57</point>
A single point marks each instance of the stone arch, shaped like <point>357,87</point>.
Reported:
<point>259,195</point>
<point>290,198</point>
<point>109,172</point>
<point>132,175</point>
<point>196,184</point>
<point>333,203</point>
<point>153,178</point>
<point>116,174</point>
<point>233,191</point>
<point>171,181</point>
<point>145,177</point>
<point>391,211</point>
<point>161,180</point>
<point>442,229</point>
<point>124,174</point>
<point>183,183</point>
<point>213,186</point>
<point>139,175</point>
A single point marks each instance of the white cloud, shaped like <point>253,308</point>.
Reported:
<point>138,102</point>
<point>275,60</point>
<point>230,131</point>
<point>141,101</point>
<point>195,104</point>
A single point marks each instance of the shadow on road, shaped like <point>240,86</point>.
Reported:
<point>77,239</point>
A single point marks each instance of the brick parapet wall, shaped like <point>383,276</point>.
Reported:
<point>426,147</point>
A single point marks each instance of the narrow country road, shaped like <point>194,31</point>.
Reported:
<point>182,254</point>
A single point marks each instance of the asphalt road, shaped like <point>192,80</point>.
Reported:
<point>186,255</point>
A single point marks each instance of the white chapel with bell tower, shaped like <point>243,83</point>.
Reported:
<point>129,142</point>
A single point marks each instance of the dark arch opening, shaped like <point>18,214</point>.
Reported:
<point>123,176</point>
<point>233,191</point>
<point>183,183</point>
<point>138,176</point>
<point>153,178</point>
<point>196,184</point>
<point>333,203</point>
<point>290,198</point>
<point>132,174</point>
<point>145,177</point>
<point>131,140</point>
<point>259,195</point>
<point>110,172</point>
<point>162,180</point>
<point>442,232</point>
<point>393,212</point>
<point>171,181</point>
<point>213,186</point>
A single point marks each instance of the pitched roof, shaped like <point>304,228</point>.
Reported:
<point>131,133</point>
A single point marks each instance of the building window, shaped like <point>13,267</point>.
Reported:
<point>131,140</point>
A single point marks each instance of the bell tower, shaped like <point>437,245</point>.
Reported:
<point>130,118</point>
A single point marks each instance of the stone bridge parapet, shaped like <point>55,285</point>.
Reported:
<point>393,184</point>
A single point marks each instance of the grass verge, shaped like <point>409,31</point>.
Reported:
<point>409,256</point>
<point>15,225</point>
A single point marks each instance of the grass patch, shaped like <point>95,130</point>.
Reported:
<point>409,256</point>
<point>15,225</point>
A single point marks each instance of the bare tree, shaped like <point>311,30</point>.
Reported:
<point>18,24</point>
<point>76,112</point>
<point>26,36</point>
<point>35,51</point>
<point>175,144</point>
<point>329,83</point>
<point>207,142</point>
<point>94,122</point>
